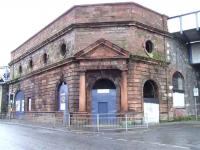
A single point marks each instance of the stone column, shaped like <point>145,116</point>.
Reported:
<point>124,94</point>
<point>82,93</point>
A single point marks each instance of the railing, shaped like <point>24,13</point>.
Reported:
<point>3,116</point>
<point>194,110</point>
<point>100,122</point>
<point>93,122</point>
<point>184,22</point>
<point>89,122</point>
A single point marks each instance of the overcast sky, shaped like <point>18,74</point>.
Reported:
<point>20,19</point>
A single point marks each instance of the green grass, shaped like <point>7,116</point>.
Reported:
<point>186,118</point>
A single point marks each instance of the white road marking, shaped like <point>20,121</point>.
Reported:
<point>109,138</point>
<point>160,144</point>
<point>122,140</point>
<point>152,143</point>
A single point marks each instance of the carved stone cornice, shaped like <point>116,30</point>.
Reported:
<point>91,25</point>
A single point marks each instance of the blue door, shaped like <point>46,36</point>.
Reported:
<point>104,101</point>
<point>63,97</point>
<point>19,103</point>
<point>102,107</point>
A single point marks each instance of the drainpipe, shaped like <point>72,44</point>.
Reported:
<point>189,53</point>
<point>166,70</point>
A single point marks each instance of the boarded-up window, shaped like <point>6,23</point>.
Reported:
<point>178,82</point>
<point>178,90</point>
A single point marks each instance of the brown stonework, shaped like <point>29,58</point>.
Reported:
<point>124,97</point>
<point>82,93</point>
<point>103,41</point>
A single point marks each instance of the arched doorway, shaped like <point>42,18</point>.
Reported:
<point>63,97</point>
<point>104,97</point>
<point>151,102</point>
<point>19,102</point>
<point>178,90</point>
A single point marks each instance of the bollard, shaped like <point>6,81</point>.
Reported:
<point>147,121</point>
<point>126,117</point>
<point>69,120</point>
<point>97,122</point>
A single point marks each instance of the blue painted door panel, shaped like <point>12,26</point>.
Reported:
<point>102,107</point>
<point>19,103</point>
<point>106,99</point>
<point>105,105</point>
<point>151,100</point>
<point>63,97</point>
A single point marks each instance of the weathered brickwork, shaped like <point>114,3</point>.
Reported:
<point>129,38</point>
<point>139,73</point>
<point>100,13</point>
<point>180,62</point>
<point>105,41</point>
<point>93,76</point>
<point>42,88</point>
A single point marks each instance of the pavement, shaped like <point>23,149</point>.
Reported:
<point>168,136</point>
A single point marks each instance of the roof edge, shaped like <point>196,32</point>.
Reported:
<point>86,5</point>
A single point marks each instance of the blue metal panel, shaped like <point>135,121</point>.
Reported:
<point>105,105</point>
<point>63,97</point>
<point>19,103</point>
<point>151,100</point>
<point>109,98</point>
<point>102,107</point>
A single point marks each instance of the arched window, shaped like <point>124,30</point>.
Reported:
<point>19,101</point>
<point>150,90</point>
<point>45,58</point>
<point>63,49</point>
<point>178,82</point>
<point>104,84</point>
<point>63,97</point>
<point>20,69</point>
<point>149,47</point>
<point>30,63</point>
<point>151,101</point>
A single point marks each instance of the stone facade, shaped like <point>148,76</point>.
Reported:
<point>3,98</point>
<point>180,62</point>
<point>101,41</point>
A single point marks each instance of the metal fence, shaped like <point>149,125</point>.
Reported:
<point>100,122</point>
<point>46,119</point>
<point>93,122</point>
<point>194,111</point>
<point>88,122</point>
<point>3,115</point>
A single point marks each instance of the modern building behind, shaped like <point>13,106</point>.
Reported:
<point>105,58</point>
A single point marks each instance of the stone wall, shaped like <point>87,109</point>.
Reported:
<point>53,56</point>
<point>141,71</point>
<point>129,38</point>
<point>4,98</point>
<point>179,61</point>
<point>42,88</point>
<point>115,12</point>
<point>126,26</point>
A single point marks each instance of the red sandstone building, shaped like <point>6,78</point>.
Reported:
<point>104,58</point>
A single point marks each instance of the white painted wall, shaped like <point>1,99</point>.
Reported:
<point>151,112</point>
<point>178,99</point>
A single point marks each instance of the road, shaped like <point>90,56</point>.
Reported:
<point>167,137</point>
